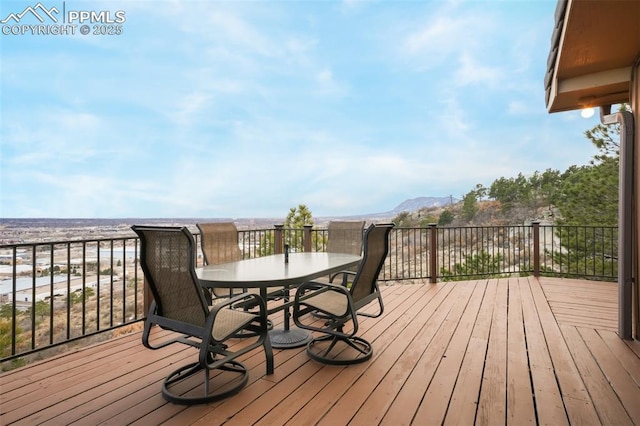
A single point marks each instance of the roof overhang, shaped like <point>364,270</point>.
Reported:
<point>594,47</point>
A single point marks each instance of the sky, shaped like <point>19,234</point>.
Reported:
<point>245,109</point>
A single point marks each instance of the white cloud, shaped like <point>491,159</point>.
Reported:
<point>249,108</point>
<point>471,71</point>
<point>445,32</point>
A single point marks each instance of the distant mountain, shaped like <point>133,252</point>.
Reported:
<point>408,206</point>
<point>416,204</point>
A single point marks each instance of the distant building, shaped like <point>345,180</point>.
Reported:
<point>25,288</point>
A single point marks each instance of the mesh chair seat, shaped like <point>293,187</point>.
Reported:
<point>333,303</point>
<point>229,321</point>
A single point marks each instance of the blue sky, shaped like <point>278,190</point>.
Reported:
<point>248,108</point>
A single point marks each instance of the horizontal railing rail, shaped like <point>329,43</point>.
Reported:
<point>58,292</point>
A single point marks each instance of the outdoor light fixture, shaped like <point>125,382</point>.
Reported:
<point>587,103</point>
<point>587,112</point>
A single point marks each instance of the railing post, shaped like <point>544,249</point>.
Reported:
<point>536,248</point>
<point>432,229</point>
<point>306,239</point>
<point>277,239</point>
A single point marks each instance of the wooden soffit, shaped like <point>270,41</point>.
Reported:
<point>594,47</point>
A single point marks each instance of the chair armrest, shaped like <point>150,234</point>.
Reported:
<point>345,276</point>
<point>319,286</point>
<point>228,302</point>
<point>302,306</point>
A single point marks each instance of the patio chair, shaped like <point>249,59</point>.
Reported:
<point>345,237</point>
<point>167,257</point>
<point>219,244</point>
<point>342,305</point>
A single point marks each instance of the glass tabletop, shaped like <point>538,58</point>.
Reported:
<point>272,270</point>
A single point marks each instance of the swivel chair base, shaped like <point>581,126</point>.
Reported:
<point>321,348</point>
<point>177,380</point>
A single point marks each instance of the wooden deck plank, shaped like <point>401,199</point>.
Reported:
<point>22,383</point>
<point>590,316</point>
<point>326,395</point>
<point>584,322</point>
<point>401,328</point>
<point>520,408</point>
<point>606,402</point>
<point>545,386</point>
<point>145,372</point>
<point>58,389</point>
<point>463,406</point>
<point>492,404</point>
<point>346,409</point>
<point>363,377</point>
<point>433,407</point>
<point>399,377</point>
<point>621,382</point>
<point>577,403</point>
<point>288,361</point>
<point>145,400</point>
<point>620,349</point>
<point>580,304</point>
<point>409,350</point>
<point>543,350</point>
<point>87,402</point>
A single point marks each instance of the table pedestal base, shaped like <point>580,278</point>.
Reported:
<point>292,338</point>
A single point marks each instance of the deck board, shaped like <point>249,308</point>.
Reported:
<point>492,403</point>
<point>546,390</point>
<point>575,397</point>
<point>494,351</point>
<point>433,407</point>
<point>623,385</point>
<point>605,401</point>
<point>520,408</point>
<point>463,405</point>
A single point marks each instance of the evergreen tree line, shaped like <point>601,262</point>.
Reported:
<point>584,195</point>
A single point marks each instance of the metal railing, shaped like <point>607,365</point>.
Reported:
<point>62,291</point>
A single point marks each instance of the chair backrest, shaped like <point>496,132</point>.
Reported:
<point>376,247</point>
<point>219,242</point>
<point>345,237</point>
<point>167,257</point>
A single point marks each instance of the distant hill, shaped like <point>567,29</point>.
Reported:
<point>410,206</point>
<point>416,204</point>
<point>20,230</point>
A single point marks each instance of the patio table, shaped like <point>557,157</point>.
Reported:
<point>272,271</point>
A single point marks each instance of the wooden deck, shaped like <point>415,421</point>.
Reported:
<point>509,351</point>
